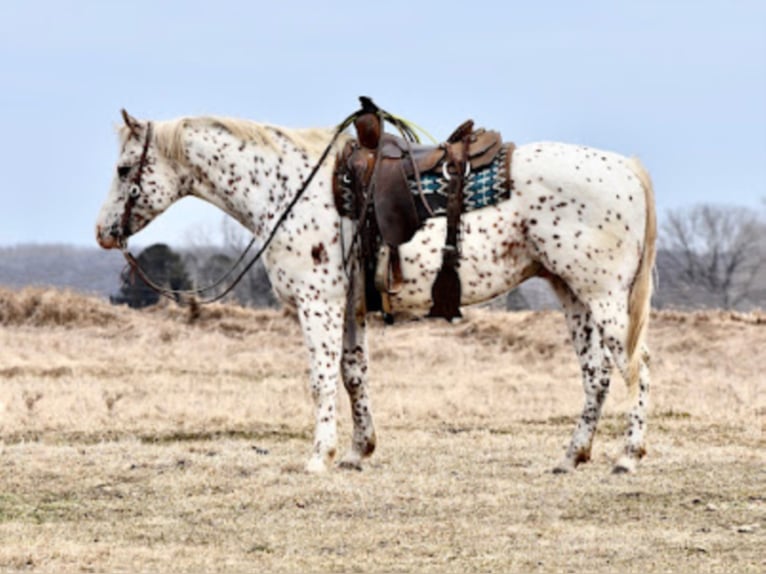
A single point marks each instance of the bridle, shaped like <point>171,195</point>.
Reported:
<point>136,188</point>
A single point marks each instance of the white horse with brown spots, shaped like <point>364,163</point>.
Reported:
<point>582,218</point>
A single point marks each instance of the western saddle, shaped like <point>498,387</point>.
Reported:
<point>372,186</point>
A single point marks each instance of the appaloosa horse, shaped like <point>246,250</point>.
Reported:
<point>582,218</point>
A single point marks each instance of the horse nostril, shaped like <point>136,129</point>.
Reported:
<point>114,230</point>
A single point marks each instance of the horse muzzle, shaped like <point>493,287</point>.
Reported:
<point>110,237</point>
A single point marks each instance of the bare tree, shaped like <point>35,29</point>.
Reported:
<point>713,256</point>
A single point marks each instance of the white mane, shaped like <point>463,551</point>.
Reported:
<point>168,134</point>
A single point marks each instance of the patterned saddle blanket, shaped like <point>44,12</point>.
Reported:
<point>486,186</point>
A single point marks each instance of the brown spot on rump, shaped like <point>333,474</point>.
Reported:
<point>319,254</point>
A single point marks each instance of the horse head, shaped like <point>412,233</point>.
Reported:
<point>146,182</point>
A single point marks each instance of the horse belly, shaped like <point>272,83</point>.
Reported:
<point>494,258</point>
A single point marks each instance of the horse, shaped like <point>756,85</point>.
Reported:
<point>581,218</point>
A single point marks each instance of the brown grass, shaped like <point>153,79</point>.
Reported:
<point>138,442</point>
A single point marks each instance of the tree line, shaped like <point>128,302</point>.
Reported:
<point>712,256</point>
<point>708,257</point>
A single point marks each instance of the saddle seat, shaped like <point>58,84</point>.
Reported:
<point>483,146</point>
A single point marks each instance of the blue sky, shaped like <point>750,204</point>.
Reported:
<point>681,84</point>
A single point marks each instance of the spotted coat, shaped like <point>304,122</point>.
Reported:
<point>580,217</point>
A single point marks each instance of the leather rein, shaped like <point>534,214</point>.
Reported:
<point>136,190</point>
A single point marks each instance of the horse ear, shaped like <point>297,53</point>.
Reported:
<point>130,122</point>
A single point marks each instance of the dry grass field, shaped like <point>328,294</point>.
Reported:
<point>138,442</point>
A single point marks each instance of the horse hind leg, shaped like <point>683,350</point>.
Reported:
<point>634,449</point>
<point>596,367</point>
<point>614,321</point>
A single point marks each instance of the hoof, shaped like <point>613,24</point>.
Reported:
<point>352,460</point>
<point>564,467</point>
<point>350,465</point>
<point>625,465</point>
<point>316,465</point>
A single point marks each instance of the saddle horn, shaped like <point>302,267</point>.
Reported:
<point>368,123</point>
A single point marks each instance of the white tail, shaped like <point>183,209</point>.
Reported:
<point>639,302</point>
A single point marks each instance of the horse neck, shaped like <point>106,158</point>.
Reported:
<point>250,181</point>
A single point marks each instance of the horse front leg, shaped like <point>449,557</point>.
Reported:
<point>322,324</point>
<point>355,376</point>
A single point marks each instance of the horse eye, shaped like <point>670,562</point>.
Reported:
<point>123,171</point>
